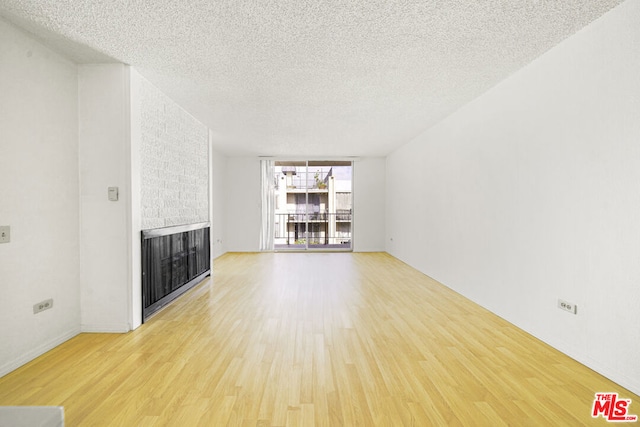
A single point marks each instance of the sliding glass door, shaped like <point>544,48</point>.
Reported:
<point>313,205</point>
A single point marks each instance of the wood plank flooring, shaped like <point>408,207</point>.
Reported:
<point>326,339</point>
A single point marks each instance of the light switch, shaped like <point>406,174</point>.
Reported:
<point>113,194</point>
<point>5,234</point>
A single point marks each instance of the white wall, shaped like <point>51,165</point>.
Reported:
<point>369,204</point>
<point>38,198</point>
<point>243,204</point>
<point>530,194</point>
<point>219,182</point>
<point>134,200</point>
<point>105,235</point>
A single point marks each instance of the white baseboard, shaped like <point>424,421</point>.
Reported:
<point>114,328</point>
<point>36,352</point>
<point>619,378</point>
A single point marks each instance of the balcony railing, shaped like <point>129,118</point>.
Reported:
<point>320,228</point>
<point>305,181</point>
<point>342,215</point>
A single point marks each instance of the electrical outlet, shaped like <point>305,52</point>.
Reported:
<point>42,306</point>
<point>567,306</point>
<point>113,194</point>
<point>5,234</point>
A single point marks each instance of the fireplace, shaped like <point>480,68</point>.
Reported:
<point>174,259</point>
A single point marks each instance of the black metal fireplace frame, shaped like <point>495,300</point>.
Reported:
<point>174,260</point>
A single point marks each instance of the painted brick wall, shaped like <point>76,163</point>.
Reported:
<point>174,163</point>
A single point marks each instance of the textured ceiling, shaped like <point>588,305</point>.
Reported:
<point>311,77</point>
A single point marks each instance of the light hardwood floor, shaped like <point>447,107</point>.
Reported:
<point>334,339</point>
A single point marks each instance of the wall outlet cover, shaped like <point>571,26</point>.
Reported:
<point>43,305</point>
<point>5,234</point>
<point>567,306</point>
